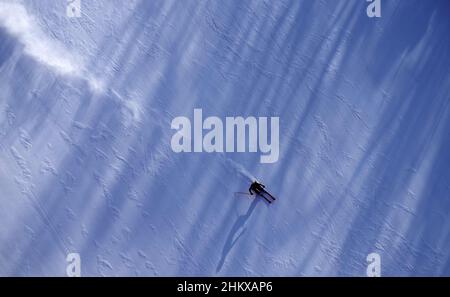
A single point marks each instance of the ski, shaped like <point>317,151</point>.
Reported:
<point>270,195</point>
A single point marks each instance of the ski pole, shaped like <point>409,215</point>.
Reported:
<point>242,193</point>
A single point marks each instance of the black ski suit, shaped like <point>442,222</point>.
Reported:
<point>257,188</point>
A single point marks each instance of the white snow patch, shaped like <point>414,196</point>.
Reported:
<point>134,109</point>
<point>97,86</point>
<point>18,22</point>
<point>131,110</point>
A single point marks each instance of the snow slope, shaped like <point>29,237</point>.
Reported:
<point>86,164</point>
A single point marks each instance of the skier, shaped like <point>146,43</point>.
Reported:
<point>259,190</point>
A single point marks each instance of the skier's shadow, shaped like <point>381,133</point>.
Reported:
<point>231,241</point>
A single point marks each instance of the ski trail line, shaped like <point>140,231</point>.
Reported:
<point>239,168</point>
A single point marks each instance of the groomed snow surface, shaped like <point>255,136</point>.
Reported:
<point>86,165</point>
